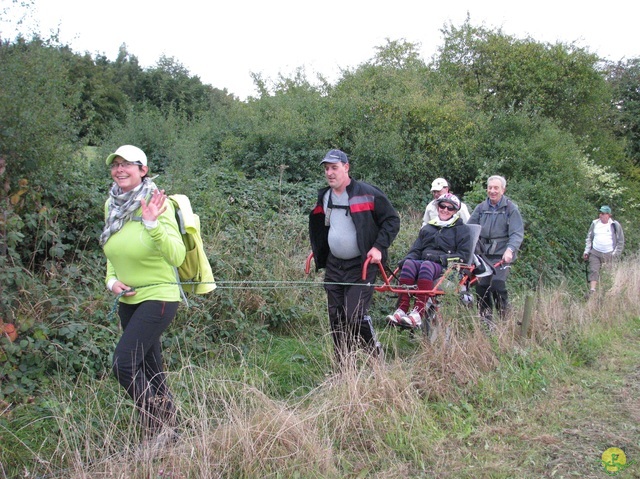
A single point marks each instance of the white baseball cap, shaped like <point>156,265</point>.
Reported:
<point>131,153</point>
<point>438,184</point>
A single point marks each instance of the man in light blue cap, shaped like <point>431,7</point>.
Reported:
<point>604,243</point>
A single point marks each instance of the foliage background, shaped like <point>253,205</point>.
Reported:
<point>559,123</point>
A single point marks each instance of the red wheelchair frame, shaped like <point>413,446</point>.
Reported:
<point>431,315</point>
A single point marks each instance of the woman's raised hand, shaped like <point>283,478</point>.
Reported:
<point>152,210</point>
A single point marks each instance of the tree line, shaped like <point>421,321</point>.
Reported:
<point>559,123</point>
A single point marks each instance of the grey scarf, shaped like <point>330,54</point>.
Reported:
<point>122,206</point>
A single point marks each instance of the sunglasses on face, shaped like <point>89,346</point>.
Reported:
<point>446,207</point>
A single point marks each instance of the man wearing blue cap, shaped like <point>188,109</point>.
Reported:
<point>605,241</point>
<point>352,221</point>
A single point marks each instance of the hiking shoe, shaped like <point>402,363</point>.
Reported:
<point>160,443</point>
<point>397,317</point>
<point>413,319</point>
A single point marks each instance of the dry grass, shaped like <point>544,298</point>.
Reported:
<point>417,416</point>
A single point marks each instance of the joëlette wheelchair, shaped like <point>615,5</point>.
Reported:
<point>457,278</point>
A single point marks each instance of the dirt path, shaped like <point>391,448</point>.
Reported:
<point>564,430</point>
<point>595,409</point>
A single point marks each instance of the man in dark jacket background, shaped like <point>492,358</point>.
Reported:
<point>501,235</point>
<point>352,221</point>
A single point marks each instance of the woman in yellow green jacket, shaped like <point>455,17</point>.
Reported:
<point>143,246</point>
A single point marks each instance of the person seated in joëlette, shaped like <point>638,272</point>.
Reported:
<point>441,241</point>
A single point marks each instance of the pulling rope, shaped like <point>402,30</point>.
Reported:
<point>243,284</point>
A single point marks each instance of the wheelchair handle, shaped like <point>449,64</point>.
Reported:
<point>307,263</point>
<point>383,273</point>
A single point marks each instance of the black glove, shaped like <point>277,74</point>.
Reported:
<point>432,257</point>
<point>443,260</point>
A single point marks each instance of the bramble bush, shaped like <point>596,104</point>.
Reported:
<point>53,274</point>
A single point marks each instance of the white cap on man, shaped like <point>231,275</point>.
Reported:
<point>438,184</point>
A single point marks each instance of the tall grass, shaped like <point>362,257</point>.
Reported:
<point>426,410</point>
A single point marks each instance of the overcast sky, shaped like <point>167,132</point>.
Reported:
<point>223,42</point>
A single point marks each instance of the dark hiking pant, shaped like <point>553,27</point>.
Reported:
<point>492,291</point>
<point>137,360</point>
<point>348,304</point>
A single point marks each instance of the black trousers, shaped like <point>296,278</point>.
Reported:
<point>492,290</point>
<point>137,359</point>
<point>348,305</point>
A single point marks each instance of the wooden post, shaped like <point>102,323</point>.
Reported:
<point>527,315</point>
